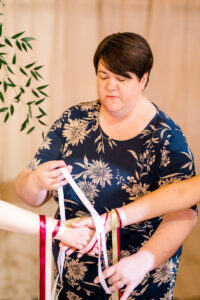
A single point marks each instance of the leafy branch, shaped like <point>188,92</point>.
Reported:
<point>28,91</point>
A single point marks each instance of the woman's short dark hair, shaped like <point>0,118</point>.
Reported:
<point>125,52</point>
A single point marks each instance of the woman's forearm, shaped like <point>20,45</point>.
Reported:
<point>28,190</point>
<point>170,198</point>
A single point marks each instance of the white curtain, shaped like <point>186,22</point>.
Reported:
<point>67,33</point>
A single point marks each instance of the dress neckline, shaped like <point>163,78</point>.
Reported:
<point>151,122</point>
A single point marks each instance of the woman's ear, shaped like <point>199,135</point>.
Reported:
<point>144,79</point>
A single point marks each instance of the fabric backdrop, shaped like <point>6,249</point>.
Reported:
<point>67,33</point>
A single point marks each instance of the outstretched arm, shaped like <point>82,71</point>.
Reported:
<point>13,218</point>
<point>170,198</point>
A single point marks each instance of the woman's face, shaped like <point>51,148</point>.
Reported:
<point>118,94</point>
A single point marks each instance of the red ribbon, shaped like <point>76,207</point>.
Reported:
<point>42,256</point>
<point>118,248</point>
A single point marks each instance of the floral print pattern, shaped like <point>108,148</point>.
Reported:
<point>113,173</point>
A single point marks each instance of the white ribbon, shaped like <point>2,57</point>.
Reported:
<point>97,222</point>
<point>61,255</point>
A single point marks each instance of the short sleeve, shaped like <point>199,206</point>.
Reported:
<point>176,159</point>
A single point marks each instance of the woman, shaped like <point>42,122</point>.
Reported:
<point>121,147</point>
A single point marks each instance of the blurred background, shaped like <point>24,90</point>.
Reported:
<point>67,33</point>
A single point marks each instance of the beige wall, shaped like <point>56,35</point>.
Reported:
<point>67,33</point>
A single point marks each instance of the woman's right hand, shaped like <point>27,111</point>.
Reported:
<point>48,175</point>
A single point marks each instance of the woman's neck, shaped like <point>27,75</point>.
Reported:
<point>126,125</point>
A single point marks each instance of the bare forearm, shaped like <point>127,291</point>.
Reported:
<point>27,190</point>
<point>170,235</point>
<point>170,198</point>
<point>13,218</point>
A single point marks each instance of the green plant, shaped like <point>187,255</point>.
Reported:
<point>20,84</point>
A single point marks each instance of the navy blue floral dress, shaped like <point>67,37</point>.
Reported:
<point>113,173</point>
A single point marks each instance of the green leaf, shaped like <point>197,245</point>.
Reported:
<point>14,59</point>
<point>30,130</point>
<point>10,70</point>
<point>23,72</point>
<point>17,35</point>
<point>40,101</point>
<point>24,46</point>
<point>18,45</point>
<point>43,135</point>
<point>34,75</point>
<point>29,110</point>
<point>5,86</point>
<point>35,93</point>
<point>25,123</point>
<point>41,122</point>
<point>12,109</point>
<point>28,82</point>
<point>6,117</point>
<point>3,109</point>
<point>30,65</point>
<point>18,96</point>
<point>2,45</point>
<point>8,42</point>
<point>42,111</point>
<point>3,61</point>
<point>40,116</point>
<point>42,87</point>
<point>12,83</point>
<point>43,93</point>
<point>26,39</point>
<point>37,68</point>
<point>22,90</point>
<point>1,96</point>
<point>3,53</point>
<point>1,29</point>
<point>38,75</point>
<point>29,45</point>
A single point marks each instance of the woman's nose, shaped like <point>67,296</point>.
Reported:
<point>111,84</point>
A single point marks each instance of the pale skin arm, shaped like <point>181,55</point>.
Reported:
<point>16,219</point>
<point>32,186</point>
<point>170,198</point>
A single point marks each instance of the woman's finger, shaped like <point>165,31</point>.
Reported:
<point>107,273</point>
<point>63,247</point>
<point>84,222</point>
<point>116,286</point>
<point>128,290</point>
<point>70,251</point>
<point>114,278</point>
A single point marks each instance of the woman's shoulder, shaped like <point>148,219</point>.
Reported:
<point>83,108</point>
<point>81,111</point>
<point>166,128</point>
<point>163,121</point>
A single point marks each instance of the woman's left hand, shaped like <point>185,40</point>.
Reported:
<point>129,271</point>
